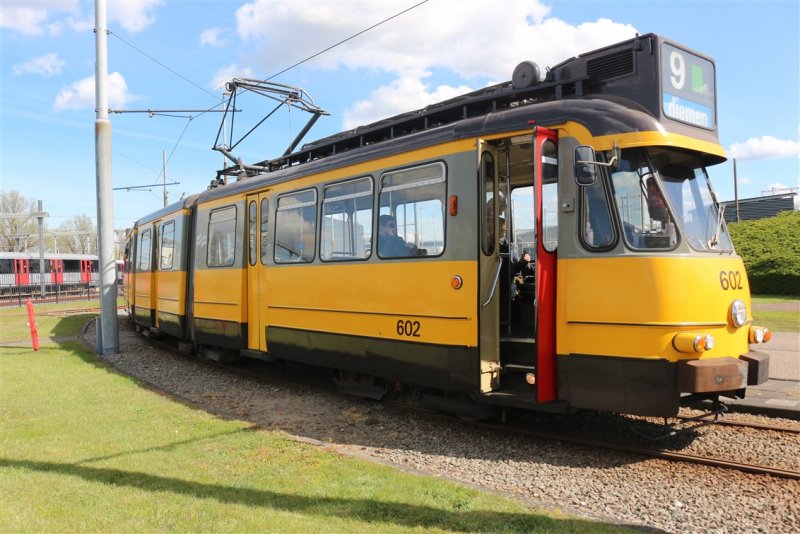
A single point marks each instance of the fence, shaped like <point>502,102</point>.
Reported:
<point>18,294</point>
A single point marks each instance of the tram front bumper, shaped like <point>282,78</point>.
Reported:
<point>723,374</point>
<point>652,387</point>
<point>757,367</point>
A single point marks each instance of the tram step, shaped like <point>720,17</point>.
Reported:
<point>517,350</point>
<point>515,399</point>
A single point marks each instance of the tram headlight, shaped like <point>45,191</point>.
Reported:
<point>759,334</point>
<point>693,342</point>
<point>738,313</point>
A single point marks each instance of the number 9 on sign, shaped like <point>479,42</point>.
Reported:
<point>677,66</point>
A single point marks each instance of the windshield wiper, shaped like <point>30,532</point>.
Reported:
<point>714,241</point>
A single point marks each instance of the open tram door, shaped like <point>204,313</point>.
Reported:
<point>519,214</point>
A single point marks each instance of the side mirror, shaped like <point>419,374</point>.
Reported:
<point>585,166</point>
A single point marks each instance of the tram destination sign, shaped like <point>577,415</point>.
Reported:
<point>687,87</point>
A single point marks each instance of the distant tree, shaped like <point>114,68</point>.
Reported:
<point>81,235</point>
<point>119,243</point>
<point>17,234</point>
<point>771,253</point>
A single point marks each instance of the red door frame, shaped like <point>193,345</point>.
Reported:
<point>86,271</point>
<point>22,272</point>
<point>546,379</point>
<point>57,271</point>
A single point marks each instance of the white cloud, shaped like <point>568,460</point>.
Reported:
<point>133,15</point>
<point>459,38</point>
<point>211,37</point>
<point>80,95</point>
<point>744,180</point>
<point>764,147</point>
<point>401,95</point>
<point>52,16</point>
<point>231,71</point>
<point>31,18</point>
<point>47,65</point>
<point>81,25</point>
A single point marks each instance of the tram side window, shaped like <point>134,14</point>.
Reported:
<point>5,266</point>
<point>222,237</point>
<point>167,248</point>
<point>144,251</point>
<point>296,227</point>
<point>487,203</point>
<point>347,221</point>
<point>549,196</point>
<point>252,249</point>
<point>411,221</point>
<point>74,266</point>
<point>264,229</point>
<point>596,223</point>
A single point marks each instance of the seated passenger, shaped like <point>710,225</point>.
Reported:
<point>524,268</point>
<point>391,245</point>
<point>525,277</point>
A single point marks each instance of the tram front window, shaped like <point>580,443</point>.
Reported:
<point>688,188</point>
<point>646,219</point>
<point>661,192</point>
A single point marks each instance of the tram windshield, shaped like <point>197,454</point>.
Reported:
<point>663,193</point>
<point>688,188</point>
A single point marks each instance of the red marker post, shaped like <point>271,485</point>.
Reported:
<point>32,324</point>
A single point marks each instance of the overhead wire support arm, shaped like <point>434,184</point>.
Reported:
<point>129,187</point>
<point>159,111</point>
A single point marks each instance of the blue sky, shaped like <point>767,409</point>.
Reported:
<point>173,54</point>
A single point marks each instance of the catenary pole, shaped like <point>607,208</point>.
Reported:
<point>736,189</point>
<point>107,335</point>
<point>40,215</point>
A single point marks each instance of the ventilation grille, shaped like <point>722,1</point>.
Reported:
<point>610,66</point>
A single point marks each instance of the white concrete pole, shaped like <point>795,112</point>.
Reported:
<point>40,215</point>
<point>108,334</point>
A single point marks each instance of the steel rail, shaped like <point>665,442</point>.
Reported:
<point>654,453</point>
<point>743,424</point>
<point>504,427</point>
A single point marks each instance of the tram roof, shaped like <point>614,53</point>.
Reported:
<point>625,73</point>
<point>34,255</point>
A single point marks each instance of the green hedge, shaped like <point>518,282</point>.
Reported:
<point>770,249</point>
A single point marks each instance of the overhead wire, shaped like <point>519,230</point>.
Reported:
<point>187,80</point>
<point>173,71</point>
<point>348,39</point>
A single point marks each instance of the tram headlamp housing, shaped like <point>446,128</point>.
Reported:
<point>738,313</point>
<point>693,342</point>
<point>759,334</point>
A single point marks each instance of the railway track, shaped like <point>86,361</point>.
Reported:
<point>659,453</point>
<point>257,372</point>
<point>745,424</point>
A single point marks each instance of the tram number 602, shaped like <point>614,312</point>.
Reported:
<point>408,328</point>
<point>730,280</point>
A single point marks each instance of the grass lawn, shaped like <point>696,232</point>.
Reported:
<point>52,320</point>
<point>779,314</point>
<point>83,448</point>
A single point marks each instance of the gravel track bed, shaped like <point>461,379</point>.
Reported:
<point>598,484</point>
